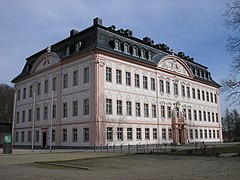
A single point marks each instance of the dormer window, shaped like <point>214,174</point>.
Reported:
<point>126,48</point>
<point>150,56</point>
<point>143,54</point>
<point>117,45</point>
<point>135,51</point>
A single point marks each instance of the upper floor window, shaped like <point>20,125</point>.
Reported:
<point>152,84</point>
<point>175,89</point>
<point>119,107</point>
<point>65,80</point>
<point>183,90</point>
<point>188,92</point>
<point>203,95</point>
<point>118,76</point>
<point>108,74</point>
<point>108,106</point>
<point>75,78</point>
<point>168,87</point>
<point>126,48</point>
<point>86,75</point>
<point>30,91</point>
<point>193,93</point>
<point>54,84</point>
<point>135,51</point>
<point>117,45</point>
<point>24,93</point>
<point>18,94</point>
<point>161,84</point>
<point>143,54</point>
<point>137,84</point>
<point>198,94</point>
<point>46,86</point>
<point>128,78</point>
<point>145,82</point>
<point>150,56</point>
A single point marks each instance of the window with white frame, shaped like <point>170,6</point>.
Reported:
<point>108,74</point>
<point>86,75</point>
<point>74,135</point>
<point>168,87</point>
<point>46,86</point>
<point>30,91</point>
<point>38,114</point>
<point>161,85</point>
<point>146,110</point>
<point>198,94</point>
<point>203,95</point>
<point>24,93</point>
<point>169,133</point>
<point>163,133</point>
<point>64,135</point>
<point>108,106</point>
<point>118,76</point>
<point>85,134</point>
<point>154,111</point>
<point>129,133</point>
<point>190,133</point>
<point>23,116</point>
<point>45,112</point>
<point>126,48</point>
<point>37,136</point>
<point>75,78</point>
<point>119,107</point>
<point>54,84</point>
<point>145,82</point>
<point>153,84</point>
<point>75,108</point>
<point>154,133</point>
<point>22,136</point>
<point>65,80</point>
<point>205,134</point>
<point>169,112</point>
<point>39,88</point>
<point>138,134</point>
<point>209,117</point>
<point>65,109</point>
<point>200,115</point>
<point>86,106</point>
<point>147,132</point>
<point>119,133</point>
<point>54,111</point>
<point>204,116</point>
<point>162,111</point>
<point>138,109</point>
<point>109,134</point>
<point>129,108</point>
<point>195,114</point>
<point>201,133</point>
<point>175,88</point>
<point>193,93</point>
<point>188,92</point>
<point>29,136</point>
<point>137,84</point>
<point>183,91</point>
<point>196,134</point>
<point>128,78</point>
<point>189,114</point>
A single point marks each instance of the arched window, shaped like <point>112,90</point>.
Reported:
<point>135,51</point>
<point>117,45</point>
<point>150,56</point>
<point>126,48</point>
<point>143,54</point>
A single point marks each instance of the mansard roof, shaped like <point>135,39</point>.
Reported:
<point>120,42</point>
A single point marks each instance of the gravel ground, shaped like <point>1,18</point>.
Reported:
<point>130,167</point>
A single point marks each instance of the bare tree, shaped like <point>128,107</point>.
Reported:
<point>6,103</point>
<point>231,85</point>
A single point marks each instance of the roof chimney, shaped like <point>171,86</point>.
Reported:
<point>148,40</point>
<point>73,32</point>
<point>97,21</point>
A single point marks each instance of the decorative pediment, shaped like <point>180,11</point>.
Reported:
<point>45,60</point>
<point>175,64</point>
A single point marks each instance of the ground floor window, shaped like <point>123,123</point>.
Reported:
<point>109,134</point>
<point>29,136</point>
<point>154,133</point>
<point>16,137</point>
<point>129,133</point>
<point>163,133</point>
<point>138,134</point>
<point>74,135</point>
<point>64,135</point>
<point>147,134</point>
<point>120,134</point>
<point>86,134</point>
<point>169,133</point>
<point>37,136</point>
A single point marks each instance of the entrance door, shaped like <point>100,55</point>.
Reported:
<point>44,139</point>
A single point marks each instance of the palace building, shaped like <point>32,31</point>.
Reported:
<point>104,86</point>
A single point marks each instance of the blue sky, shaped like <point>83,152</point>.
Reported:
<point>195,27</point>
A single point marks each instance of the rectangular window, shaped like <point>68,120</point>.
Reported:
<point>146,110</point>
<point>175,86</point>
<point>64,135</point>
<point>214,134</point>
<point>188,92</point>
<point>205,134</point>
<point>201,133</point>
<point>119,107</point>
<point>129,133</point>
<point>198,94</point>
<point>145,82</point>
<point>65,80</point>
<point>168,87</point>
<point>46,86</point>
<point>163,133</point>
<point>108,106</point>
<point>128,78</point>
<point>19,95</point>
<point>189,114</point>
<point>193,93</point>
<point>215,98</point>
<point>204,116</point>
<point>24,93</point>
<point>191,133</point>
<point>23,116</point>
<point>147,137</point>
<point>138,134</point>
<point>196,134</point>
<point>64,109</point>
<point>207,94</point>
<point>53,135</point>
<point>154,111</point>
<point>29,115</point>
<point>18,117</point>
<point>30,91</point>
<point>209,117</point>
<point>184,111</point>
<point>211,95</point>
<point>216,117</point>
<point>38,88</point>
<point>16,137</point>
<point>37,136</point>
<point>161,85</point>
<point>118,76</point>
<point>29,136</point>
<point>75,78</point>
<point>119,134</point>
<point>169,133</point>
<point>45,112</point>
<point>137,84</point>
<point>169,112</point>
<point>200,115</point>
<point>86,107</point>
<point>86,75</point>
<point>183,91</point>
<point>213,118</point>
<point>203,95</point>
<point>138,109</point>
<point>38,114</point>
<point>129,108</point>
<point>153,87</point>
<point>162,111</point>
<point>86,134</point>
<point>195,114</point>
<point>23,136</point>
<point>74,135</point>
<point>54,84</point>
<point>109,133</point>
<point>217,133</point>
<point>54,111</point>
<point>75,108</point>
<point>155,133</point>
<point>210,133</point>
